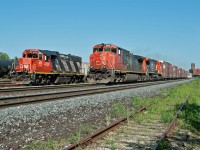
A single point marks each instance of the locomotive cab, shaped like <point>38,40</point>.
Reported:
<point>33,60</point>
<point>103,57</point>
<point>102,62</point>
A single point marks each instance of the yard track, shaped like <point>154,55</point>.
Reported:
<point>7,83</point>
<point>37,98</point>
<point>43,88</point>
<point>127,135</point>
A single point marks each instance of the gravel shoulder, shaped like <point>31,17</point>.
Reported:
<point>23,124</point>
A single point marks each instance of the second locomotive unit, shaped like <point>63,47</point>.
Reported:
<point>47,67</point>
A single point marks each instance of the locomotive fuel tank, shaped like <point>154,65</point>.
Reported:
<point>131,77</point>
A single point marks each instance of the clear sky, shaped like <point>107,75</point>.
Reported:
<point>161,29</point>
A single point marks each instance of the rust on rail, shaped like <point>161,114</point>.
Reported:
<point>101,132</point>
<point>171,126</point>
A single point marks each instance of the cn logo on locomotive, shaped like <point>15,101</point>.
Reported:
<point>24,66</point>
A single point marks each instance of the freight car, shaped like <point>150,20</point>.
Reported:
<point>110,63</point>
<point>5,67</point>
<point>47,67</point>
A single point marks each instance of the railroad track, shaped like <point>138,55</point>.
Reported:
<point>123,135</point>
<point>7,83</point>
<point>29,99</point>
<point>43,88</point>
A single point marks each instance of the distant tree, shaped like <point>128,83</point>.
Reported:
<point>16,58</point>
<point>4,56</point>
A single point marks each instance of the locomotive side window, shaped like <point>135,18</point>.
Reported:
<point>119,51</point>
<point>114,50</point>
<point>46,58</point>
<point>24,55</point>
<point>40,56</point>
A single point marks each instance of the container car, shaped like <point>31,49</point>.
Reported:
<point>175,72</point>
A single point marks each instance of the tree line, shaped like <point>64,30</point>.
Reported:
<point>4,56</point>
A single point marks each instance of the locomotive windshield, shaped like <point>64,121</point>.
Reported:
<point>97,50</point>
<point>106,49</point>
<point>31,55</point>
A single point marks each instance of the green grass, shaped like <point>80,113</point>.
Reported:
<point>47,145</point>
<point>166,107</point>
<point>51,144</point>
<point>83,130</point>
<point>119,110</point>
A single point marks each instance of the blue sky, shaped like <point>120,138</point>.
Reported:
<point>161,29</point>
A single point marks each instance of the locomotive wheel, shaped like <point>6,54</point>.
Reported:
<point>139,78</point>
<point>144,78</point>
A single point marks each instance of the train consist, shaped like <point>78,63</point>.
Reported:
<point>110,63</point>
<point>47,67</point>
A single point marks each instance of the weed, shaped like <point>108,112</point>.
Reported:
<point>166,116</point>
<point>73,138</point>
<point>108,118</point>
<point>119,110</point>
<point>164,145</point>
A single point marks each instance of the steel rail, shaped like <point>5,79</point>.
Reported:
<point>27,88</point>
<point>171,126</point>
<point>37,88</point>
<point>26,99</point>
<point>12,101</point>
<point>101,132</point>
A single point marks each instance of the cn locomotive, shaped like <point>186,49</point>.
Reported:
<point>110,63</point>
<point>47,67</point>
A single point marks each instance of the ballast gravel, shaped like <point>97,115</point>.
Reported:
<point>59,119</point>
